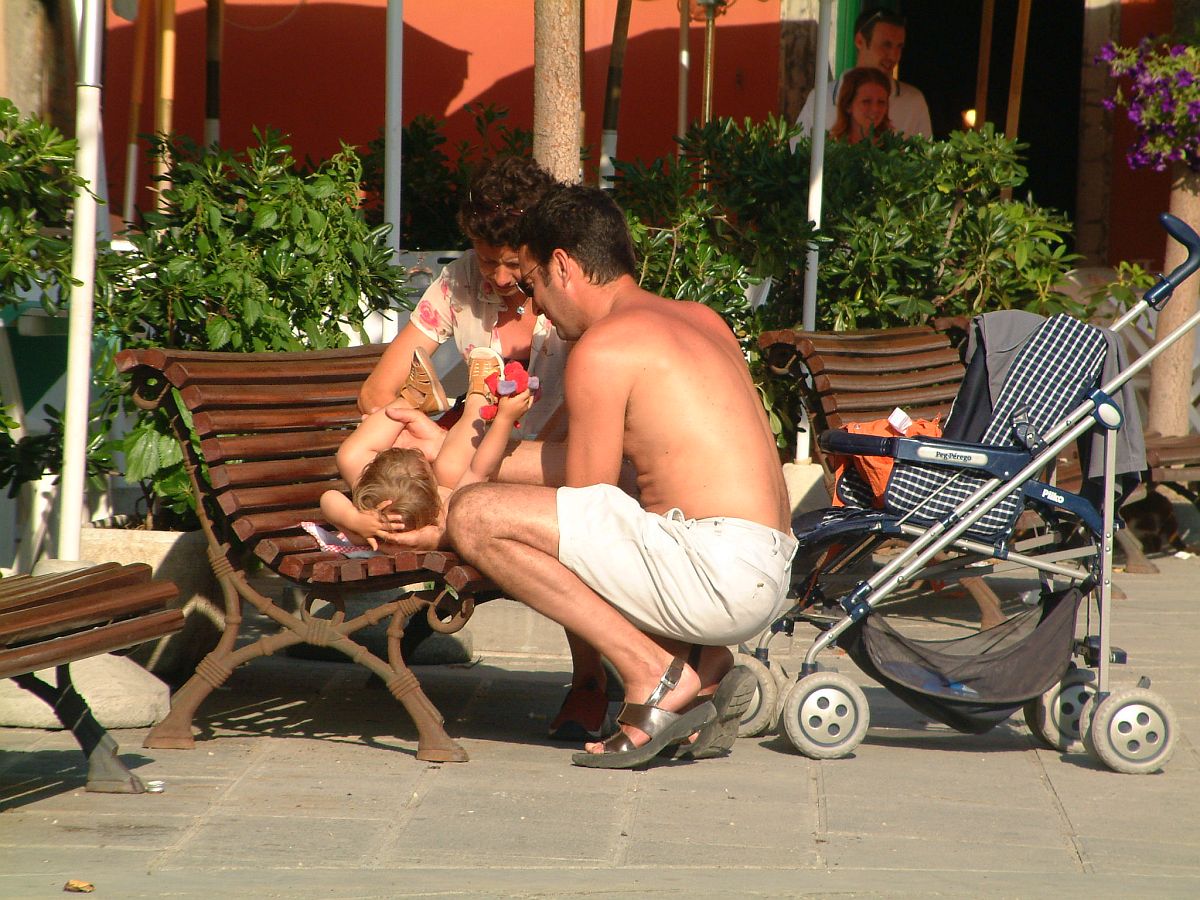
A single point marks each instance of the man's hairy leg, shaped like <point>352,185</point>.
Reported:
<point>510,533</point>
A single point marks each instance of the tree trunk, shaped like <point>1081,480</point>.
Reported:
<point>556,100</point>
<point>1171,373</point>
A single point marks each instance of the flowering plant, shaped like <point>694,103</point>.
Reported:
<point>1162,99</point>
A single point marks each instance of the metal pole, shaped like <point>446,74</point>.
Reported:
<point>83,269</point>
<point>710,41</point>
<point>685,63</point>
<point>612,92</point>
<point>816,170</point>
<point>393,121</point>
<point>164,107</point>
<point>214,20</point>
<point>984,66</point>
<point>141,33</point>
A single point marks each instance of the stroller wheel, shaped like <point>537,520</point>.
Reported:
<point>762,715</point>
<point>1055,717</point>
<point>1133,731</point>
<point>825,715</point>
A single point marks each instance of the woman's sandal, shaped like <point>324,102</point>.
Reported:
<point>664,728</point>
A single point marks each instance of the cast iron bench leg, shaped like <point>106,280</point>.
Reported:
<point>106,773</point>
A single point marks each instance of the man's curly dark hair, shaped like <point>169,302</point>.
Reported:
<point>500,192</point>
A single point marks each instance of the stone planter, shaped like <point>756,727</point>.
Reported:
<point>181,557</point>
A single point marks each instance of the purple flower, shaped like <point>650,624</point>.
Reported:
<point>1110,104</point>
<point>1193,110</point>
<point>1107,53</point>
<point>1178,50</point>
<point>1183,78</point>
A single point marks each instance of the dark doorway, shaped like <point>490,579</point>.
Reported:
<point>941,56</point>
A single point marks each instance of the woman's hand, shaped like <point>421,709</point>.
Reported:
<point>420,431</point>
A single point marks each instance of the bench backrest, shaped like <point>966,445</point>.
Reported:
<point>269,426</point>
<point>857,376</point>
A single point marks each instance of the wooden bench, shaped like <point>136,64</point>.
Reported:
<point>55,620</point>
<point>267,427</point>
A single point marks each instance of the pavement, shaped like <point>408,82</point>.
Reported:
<point>303,783</point>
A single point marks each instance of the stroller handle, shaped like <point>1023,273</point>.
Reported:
<point>856,444</point>
<point>1161,292</point>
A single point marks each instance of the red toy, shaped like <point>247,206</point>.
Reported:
<point>515,380</point>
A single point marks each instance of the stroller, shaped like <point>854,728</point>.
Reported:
<point>961,496</point>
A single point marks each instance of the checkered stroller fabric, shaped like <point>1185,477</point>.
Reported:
<point>1060,363</point>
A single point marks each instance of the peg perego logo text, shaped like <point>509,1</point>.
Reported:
<point>938,454</point>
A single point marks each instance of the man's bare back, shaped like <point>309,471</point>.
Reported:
<point>694,427</point>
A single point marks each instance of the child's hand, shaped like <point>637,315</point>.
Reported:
<point>381,525</point>
<point>510,409</point>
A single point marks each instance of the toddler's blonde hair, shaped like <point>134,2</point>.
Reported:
<point>404,476</point>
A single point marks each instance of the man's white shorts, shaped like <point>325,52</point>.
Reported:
<point>706,581</point>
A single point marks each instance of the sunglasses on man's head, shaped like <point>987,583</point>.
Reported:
<point>482,205</point>
<point>524,285</point>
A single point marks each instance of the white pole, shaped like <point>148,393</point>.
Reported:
<point>816,172</point>
<point>83,269</point>
<point>392,120</point>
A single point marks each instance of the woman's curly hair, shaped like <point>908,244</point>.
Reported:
<point>500,192</point>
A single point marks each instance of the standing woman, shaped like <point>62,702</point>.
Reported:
<point>476,302</point>
<point>862,106</point>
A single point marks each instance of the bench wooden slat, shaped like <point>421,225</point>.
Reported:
<point>273,445</point>
<point>60,614</point>
<point>273,498</point>
<point>885,345</point>
<point>1172,451</point>
<point>878,384</point>
<point>273,397</point>
<point>852,402</point>
<point>182,366</point>
<point>105,639</point>
<point>19,591</point>
<point>842,419</point>
<point>273,549</point>
<point>850,364</point>
<point>264,472</point>
<point>250,528</point>
<point>793,336</point>
<point>255,420</point>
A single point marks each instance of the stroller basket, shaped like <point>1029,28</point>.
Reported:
<point>972,683</point>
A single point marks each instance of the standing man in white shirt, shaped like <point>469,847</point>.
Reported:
<point>879,40</point>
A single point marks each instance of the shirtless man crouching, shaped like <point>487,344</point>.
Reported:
<point>704,561</point>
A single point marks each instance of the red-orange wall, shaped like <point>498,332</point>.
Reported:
<point>315,70</point>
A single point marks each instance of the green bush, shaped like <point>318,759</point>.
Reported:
<point>911,228</point>
<point>248,254</point>
<point>37,188</point>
